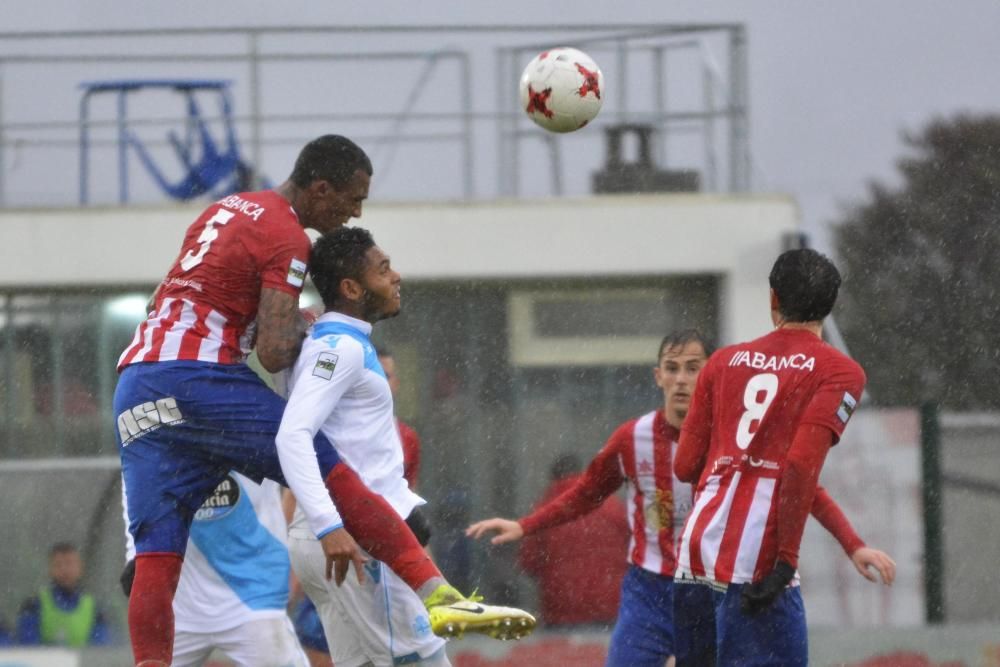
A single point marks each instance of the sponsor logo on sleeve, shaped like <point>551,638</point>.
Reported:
<point>296,272</point>
<point>325,365</point>
<point>847,405</point>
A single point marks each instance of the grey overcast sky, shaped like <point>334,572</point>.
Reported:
<point>832,84</point>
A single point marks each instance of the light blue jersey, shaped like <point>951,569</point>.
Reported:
<point>236,567</point>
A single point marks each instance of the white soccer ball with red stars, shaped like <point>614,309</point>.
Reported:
<point>562,89</point>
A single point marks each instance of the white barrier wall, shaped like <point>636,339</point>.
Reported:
<point>734,237</point>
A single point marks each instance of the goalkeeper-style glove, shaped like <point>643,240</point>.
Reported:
<point>127,577</point>
<point>420,526</point>
<point>761,595</point>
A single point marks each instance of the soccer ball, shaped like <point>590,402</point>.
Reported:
<point>562,89</point>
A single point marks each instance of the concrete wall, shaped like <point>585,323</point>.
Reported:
<point>734,237</point>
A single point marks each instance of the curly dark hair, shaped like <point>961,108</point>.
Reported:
<point>338,255</point>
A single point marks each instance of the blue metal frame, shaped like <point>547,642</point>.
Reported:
<point>121,88</point>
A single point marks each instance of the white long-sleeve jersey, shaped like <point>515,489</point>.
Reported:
<point>338,388</point>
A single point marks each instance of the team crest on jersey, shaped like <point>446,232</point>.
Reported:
<point>221,502</point>
<point>296,272</point>
<point>660,512</point>
<point>847,406</point>
<point>326,363</point>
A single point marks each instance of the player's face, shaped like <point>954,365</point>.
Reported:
<point>334,207</point>
<point>66,569</point>
<point>389,366</point>
<point>381,283</point>
<point>676,375</point>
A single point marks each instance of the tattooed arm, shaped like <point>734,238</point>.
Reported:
<point>280,328</point>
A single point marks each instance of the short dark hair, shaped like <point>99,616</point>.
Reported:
<point>331,158</point>
<point>806,283</point>
<point>63,548</point>
<point>682,337</point>
<point>338,255</point>
<point>382,351</point>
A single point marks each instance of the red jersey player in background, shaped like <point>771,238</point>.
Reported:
<point>578,586</point>
<point>763,417</point>
<point>658,619</point>
<point>409,437</point>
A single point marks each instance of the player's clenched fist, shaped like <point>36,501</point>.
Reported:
<point>507,530</point>
<point>341,550</point>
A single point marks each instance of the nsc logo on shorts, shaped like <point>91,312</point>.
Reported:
<point>147,417</point>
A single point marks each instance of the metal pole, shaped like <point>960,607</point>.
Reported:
<point>122,148</point>
<point>513,137</point>
<point>708,129</point>
<point>256,153</point>
<point>500,72</point>
<point>468,161</point>
<point>57,388</point>
<point>555,157</point>
<point>84,149</point>
<point>739,122</point>
<point>622,83</point>
<point>930,449</point>
<point>660,99</point>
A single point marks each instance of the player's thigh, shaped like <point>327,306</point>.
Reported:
<point>164,477</point>
<point>775,637</point>
<point>381,620</point>
<point>643,634</point>
<point>309,565</point>
<point>694,624</point>
<point>385,617</point>
<point>263,642</point>
<point>192,649</point>
<point>395,619</point>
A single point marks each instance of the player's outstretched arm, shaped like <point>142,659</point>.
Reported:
<point>505,529</point>
<point>280,328</point>
<point>831,516</point>
<point>866,559</point>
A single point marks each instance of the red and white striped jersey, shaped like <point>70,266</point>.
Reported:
<point>206,305</point>
<point>657,502</point>
<point>748,404</point>
<point>639,454</point>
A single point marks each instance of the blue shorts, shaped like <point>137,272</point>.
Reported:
<point>644,633</point>
<point>308,627</point>
<point>182,425</point>
<point>774,637</point>
<point>694,624</point>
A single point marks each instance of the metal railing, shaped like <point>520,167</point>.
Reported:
<point>419,95</point>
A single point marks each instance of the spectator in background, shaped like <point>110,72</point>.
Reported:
<point>409,437</point>
<point>5,637</point>
<point>578,586</point>
<point>62,614</point>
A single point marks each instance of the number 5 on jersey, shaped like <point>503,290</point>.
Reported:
<point>209,234</point>
<point>761,390</point>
